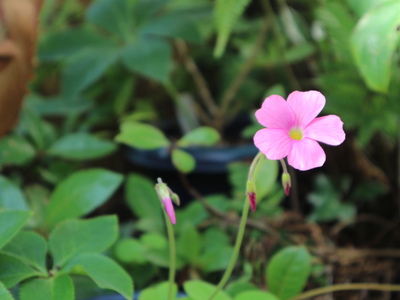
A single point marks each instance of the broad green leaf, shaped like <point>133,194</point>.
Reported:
<point>13,271</point>
<point>54,288</point>
<point>150,57</point>
<point>288,271</point>
<point>11,196</point>
<point>189,243</point>
<point>73,237</point>
<point>81,146</point>
<point>159,292</point>
<point>226,15</point>
<point>239,287</point>
<point>30,248</point>
<point>130,251</point>
<point>112,15</point>
<point>361,7</point>
<point>183,161</point>
<point>202,136</point>
<point>142,197</point>
<point>61,44</point>
<point>255,295</point>
<point>156,249</point>
<point>142,136</point>
<point>4,293</point>
<point>84,68</point>
<point>105,273</point>
<point>145,9</point>
<point>200,290</point>
<point>15,150</point>
<point>176,24</point>
<point>215,259</point>
<point>81,193</point>
<point>11,221</point>
<point>374,42</point>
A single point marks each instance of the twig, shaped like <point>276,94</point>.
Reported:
<point>198,78</point>
<point>244,71</point>
<point>226,217</point>
<point>348,287</point>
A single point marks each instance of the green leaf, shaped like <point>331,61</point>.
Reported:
<point>174,24</point>
<point>4,293</point>
<point>226,15</point>
<point>239,287</point>
<point>200,290</point>
<point>73,237</point>
<point>202,136</point>
<point>145,9</point>
<point>327,204</point>
<point>84,68</point>
<point>255,295</point>
<point>105,273</point>
<point>54,288</point>
<point>62,44</point>
<point>189,244</point>
<point>114,16</point>
<point>30,248</point>
<point>142,197</point>
<point>13,271</point>
<point>150,57</point>
<point>288,271</point>
<point>11,221</point>
<point>80,193</point>
<point>15,150</point>
<point>130,251</point>
<point>361,7</point>
<point>142,136</point>
<point>183,161</point>
<point>374,42</point>
<point>215,259</point>
<point>81,146</point>
<point>11,196</point>
<point>159,292</point>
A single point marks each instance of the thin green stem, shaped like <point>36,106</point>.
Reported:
<point>172,261</point>
<point>348,287</point>
<point>236,249</point>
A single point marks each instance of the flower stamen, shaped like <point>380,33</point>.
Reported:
<point>296,134</point>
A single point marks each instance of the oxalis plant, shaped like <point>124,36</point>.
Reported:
<point>292,130</point>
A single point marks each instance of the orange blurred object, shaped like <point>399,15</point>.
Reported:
<point>18,36</point>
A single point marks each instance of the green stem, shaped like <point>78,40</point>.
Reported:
<point>236,249</point>
<point>348,287</point>
<point>172,261</point>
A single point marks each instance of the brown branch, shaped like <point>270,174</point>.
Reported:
<point>198,78</point>
<point>243,73</point>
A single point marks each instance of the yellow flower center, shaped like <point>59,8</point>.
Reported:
<point>296,134</point>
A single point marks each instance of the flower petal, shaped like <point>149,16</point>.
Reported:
<point>306,154</point>
<point>275,112</point>
<point>169,209</point>
<point>328,130</point>
<point>274,143</point>
<point>306,105</point>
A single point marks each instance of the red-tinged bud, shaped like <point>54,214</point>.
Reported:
<point>286,183</point>
<point>252,194</point>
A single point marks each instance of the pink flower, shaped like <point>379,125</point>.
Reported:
<point>294,131</point>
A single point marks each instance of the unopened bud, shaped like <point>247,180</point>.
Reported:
<point>252,194</point>
<point>164,194</point>
<point>286,183</point>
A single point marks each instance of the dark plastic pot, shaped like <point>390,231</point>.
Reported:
<point>208,160</point>
<point>210,175</point>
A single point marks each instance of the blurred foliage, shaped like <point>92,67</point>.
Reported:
<point>127,71</point>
